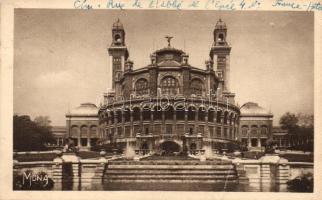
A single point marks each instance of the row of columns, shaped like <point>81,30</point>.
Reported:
<point>80,136</point>
<point>196,123</point>
<point>249,141</point>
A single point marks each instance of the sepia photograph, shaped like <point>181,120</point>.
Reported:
<point>142,100</point>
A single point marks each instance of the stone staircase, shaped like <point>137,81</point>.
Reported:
<point>156,172</point>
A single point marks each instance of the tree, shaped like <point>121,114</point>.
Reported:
<point>28,135</point>
<point>305,120</point>
<point>289,121</point>
<point>42,121</point>
<point>301,128</point>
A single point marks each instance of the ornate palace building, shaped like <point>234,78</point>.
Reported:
<point>170,105</point>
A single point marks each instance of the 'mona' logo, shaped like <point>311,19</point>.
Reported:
<point>31,178</point>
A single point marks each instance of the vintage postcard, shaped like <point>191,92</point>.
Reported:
<point>160,99</point>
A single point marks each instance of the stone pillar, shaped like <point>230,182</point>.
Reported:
<point>131,123</point>
<point>206,128</point>
<point>99,170</point>
<point>115,128</point>
<point>196,121</point>
<point>185,121</point>
<point>75,162</point>
<point>152,121</point>
<point>227,73</point>
<point>123,121</point>
<point>163,122</point>
<point>58,171</point>
<point>265,173</point>
<point>222,125</point>
<point>174,123</point>
<point>88,137</point>
<point>79,138</point>
<point>282,171</point>
<point>259,144</point>
<point>249,141</point>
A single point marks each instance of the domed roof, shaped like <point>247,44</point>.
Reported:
<point>169,57</point>
<point>252,108</point>
<point>117,24</point>
<point>220,24</point>
<point>85,109</point>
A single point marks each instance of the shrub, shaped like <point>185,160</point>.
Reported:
<point>301,183</point>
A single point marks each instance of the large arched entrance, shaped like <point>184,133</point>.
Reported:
<point>169,148</point>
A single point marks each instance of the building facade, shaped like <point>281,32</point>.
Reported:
<point>281,137</point>
<point>82,125</point>
<point>255,126</point>
<point>59,133</point>
<point>170,105</point>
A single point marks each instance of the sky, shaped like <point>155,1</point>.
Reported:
<point>61,59</point>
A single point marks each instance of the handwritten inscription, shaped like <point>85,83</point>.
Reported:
<point>115,4</point>
<point>282,3</point>
<point>308,6</point>
<point>177,4</point>
<point>315,5</point>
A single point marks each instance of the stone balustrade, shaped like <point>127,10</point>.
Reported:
<point>68,167</point>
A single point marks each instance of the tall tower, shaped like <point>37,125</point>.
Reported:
<point>119,54</point>
<point>219,54</point>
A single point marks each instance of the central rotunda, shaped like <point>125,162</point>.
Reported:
<point>170,106</point>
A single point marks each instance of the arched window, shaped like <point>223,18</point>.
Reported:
<point>225,117</point>
<point>221,37</point>
<point>119,116</point>
<point>117,38</point>
<point>196,87</point>
<point>264,130</point>
<point>157,113</point>
<point>231,119</point>
<point>211,114</point>
<point>201,114</point>
<point>146,114</point>
<point>93,130</point>
<point>111,116</point>
<point>191,113</point>
<point>169,113</point>
<point>84,131</point>
<point>127,115</point>
<point>244,130</point>
<point>74,131</point>
<point>253,130</point>
<point>169,85</point>
<point>136,114</point>
<point>218,117</point>
<point>142,87</point>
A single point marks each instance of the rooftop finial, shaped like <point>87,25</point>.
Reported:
<point>169,40</point>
